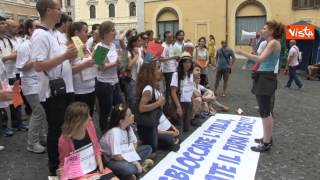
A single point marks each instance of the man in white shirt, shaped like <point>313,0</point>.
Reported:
<point>293,64</point>
<point>61,28</point>
<point>168,60</point>
<point>49,57</point>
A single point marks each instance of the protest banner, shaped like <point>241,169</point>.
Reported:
<point>219,149</point>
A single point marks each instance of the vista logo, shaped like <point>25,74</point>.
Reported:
<point>300,32</point>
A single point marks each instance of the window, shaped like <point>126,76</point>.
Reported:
<point>163,26</point>
<point>69,13</point>
<point>92,12</point>
<point>111,10</point>
<point>305,4</point>
<point>132,9</point>
<point>249,24</point>
<point>68,2</point>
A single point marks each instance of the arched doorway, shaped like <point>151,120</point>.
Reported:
<point>167,20</point>
<point>250,16</point>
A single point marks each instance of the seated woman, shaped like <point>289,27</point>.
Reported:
<point>119,146</point>
<point>203,99</point>
<point>313,71</point>
<point>168,134</point>
<point>79,135</point>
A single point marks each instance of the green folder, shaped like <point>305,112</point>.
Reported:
<point>100,55</point>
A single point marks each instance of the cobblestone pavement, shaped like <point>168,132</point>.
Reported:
<point>294,156</point>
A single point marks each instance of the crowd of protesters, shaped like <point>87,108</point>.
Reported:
<point>142,104</point>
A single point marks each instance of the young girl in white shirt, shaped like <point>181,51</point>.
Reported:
<point>107,86</point>
<point>84,70</point>
<point>119,145</point>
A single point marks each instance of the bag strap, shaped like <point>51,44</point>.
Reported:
<point>225,57</point>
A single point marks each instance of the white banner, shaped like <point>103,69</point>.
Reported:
<point>218,150</point>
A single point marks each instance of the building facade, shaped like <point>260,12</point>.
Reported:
<point>68,7</point>
<point>19,9</point>
<point>225,19</point>
<point>122,12</point>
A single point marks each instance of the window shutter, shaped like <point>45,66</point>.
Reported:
<point>295,4</point>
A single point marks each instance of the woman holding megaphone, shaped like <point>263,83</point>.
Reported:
<point>265,80</point>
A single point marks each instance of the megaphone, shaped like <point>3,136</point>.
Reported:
<point>247,35</point>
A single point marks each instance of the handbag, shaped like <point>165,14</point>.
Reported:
<point>57,86</point>
<point>150,118</point>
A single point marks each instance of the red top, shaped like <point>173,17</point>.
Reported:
<point>66,145</point>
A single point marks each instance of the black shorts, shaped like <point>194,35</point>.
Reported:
<point>264,83</point>
<point>265,107</point>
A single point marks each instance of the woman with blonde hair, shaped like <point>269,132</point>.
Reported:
<point>79,135</point>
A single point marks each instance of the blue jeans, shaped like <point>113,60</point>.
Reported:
<point>166,141</point>
<point>108,95</point>
<point>123,168</point>
<point>293,77</point>
<point>149,136</point>
<point>128,86</point>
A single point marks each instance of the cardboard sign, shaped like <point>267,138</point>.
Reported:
<point>155,49</point>
<point>100,55</point>
<point>300,32</point>
<point>79,163</point>
<point>219,149</point>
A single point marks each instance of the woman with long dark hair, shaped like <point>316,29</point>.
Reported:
<point>149,99</point>
<point>182,89</point>
<point>119,145</point>
<point>265,80</point>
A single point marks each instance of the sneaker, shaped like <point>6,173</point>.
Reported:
<point>195,123</point>
<point>36,148</point>
<point>147,164</point>
<point>22,127</point>
<point>261,148</point>
<point>260,141</point>
<point>175,147</point>
<point>1,148</point>
<point>8,132</point>
<point>301,87</point>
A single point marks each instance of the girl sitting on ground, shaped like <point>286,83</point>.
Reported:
<point>78,134</point>
<point>119,146</point>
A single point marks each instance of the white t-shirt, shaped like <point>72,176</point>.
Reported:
<point>186,87</point>
<point>44,45</point>
<point>89,43</point>
<point>116,142</point>
<point>80,85</point>
<point>29,78</point>
<point>171,65</point>
<point>4,82</point>
<point>109,75</point>
<point>200,88</point>
<point>61,38</point>
<point>164,123</point>
<point>177,48</point>
<point>294,54</point>
<point>6,50</point>
<point>136,67</point>
<point>149,88</point>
